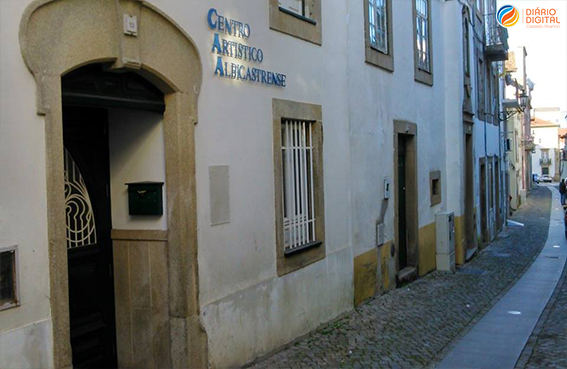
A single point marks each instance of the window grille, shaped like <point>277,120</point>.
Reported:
<point>422,34</point>
<point>81,228</point>
<point>298,192</point>
<point>378,24</point>
<point>299,7</point>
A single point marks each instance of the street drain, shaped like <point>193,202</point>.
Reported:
<point>471,271</point>
<point>552,257</point>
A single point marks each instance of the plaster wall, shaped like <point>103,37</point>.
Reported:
<point>377,98</point>
<point>237,269</point>
<point>28,347</point>
<point>546,137</point>
<point>137,154</point>
<point>246,309</point>
<point>23,213</point>
<point>454,95</point>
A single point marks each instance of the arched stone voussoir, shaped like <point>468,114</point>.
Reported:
<point>58,36</point>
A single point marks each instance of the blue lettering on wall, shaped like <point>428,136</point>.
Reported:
<point>240,51</point>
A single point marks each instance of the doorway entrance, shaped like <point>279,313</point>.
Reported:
<point>406,214</point>
<point>497,193</point>
<point>483,201</point>
<point>89,247</point>
<point>175,68</point>
<point>88,93</point>
<point>470,222</point>
<point>402,211</point>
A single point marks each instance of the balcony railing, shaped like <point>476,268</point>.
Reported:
<point>496,39</point>
<point>545,161</point>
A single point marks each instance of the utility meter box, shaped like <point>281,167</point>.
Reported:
<point>145,198</point>
<point>445,235</point>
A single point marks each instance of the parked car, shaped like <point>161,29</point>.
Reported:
<point>546,178</point>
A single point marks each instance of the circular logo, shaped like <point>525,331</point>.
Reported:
<point>508,16</point>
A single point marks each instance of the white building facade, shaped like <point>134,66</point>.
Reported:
<point>193,184</point>
<point>547,156</point>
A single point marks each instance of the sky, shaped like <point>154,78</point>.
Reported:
<point>546,62</point>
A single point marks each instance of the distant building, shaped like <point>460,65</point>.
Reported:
<point>516,109</point>
<point>547,155</point>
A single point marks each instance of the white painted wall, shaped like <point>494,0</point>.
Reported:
<point>246,308</point>
<point>23,212</point>
<point>546,137</point>
<point>454,94</point>
<point>137,154</point>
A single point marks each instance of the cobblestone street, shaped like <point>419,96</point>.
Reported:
<point>415,326</point>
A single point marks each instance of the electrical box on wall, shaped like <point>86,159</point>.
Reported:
<point>145,198</point>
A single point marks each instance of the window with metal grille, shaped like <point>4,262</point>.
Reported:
<point>378,24</point>
<point>298,189</point>
<point>297,7</point>
<point>422,34</point>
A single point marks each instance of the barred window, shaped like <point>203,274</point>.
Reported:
<point>298,190</point>
<point>298,7</point>
<point>378,24</point>
<point>422,34</point>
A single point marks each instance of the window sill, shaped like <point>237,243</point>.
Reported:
<point>423,76</point>
<point>298,16</point>
<point>377,58</point>
<point>302,248</point>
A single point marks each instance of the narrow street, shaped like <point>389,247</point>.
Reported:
<point>418,325</point>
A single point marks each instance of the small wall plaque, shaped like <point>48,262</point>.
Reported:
<point>130,25</point>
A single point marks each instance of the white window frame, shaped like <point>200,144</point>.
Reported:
<point>378,24</point>
<point>298,200</point>
<point>422,35</point>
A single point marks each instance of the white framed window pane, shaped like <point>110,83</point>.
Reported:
<point>378,24</point>
<point>297,177</point>
<point>422,34</point>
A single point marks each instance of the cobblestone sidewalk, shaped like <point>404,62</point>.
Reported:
<point>410,327</point>
<point>547,346</point>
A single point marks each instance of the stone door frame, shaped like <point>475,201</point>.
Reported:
<point>58,36</point>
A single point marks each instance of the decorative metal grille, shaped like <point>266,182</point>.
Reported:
<point>422,35</point>
<point>81,227</point>
<point>298,198</point>
<point>378,24</point>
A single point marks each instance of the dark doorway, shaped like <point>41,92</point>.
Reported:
<point>469,193</point>
<point>497,192</point>
<point>89,247</point>
<point>483,201</point>
<point>87,93</point>
<point>402,204</point>
<point>405,208</point>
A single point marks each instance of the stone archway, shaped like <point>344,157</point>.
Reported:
<point>58,36</point>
